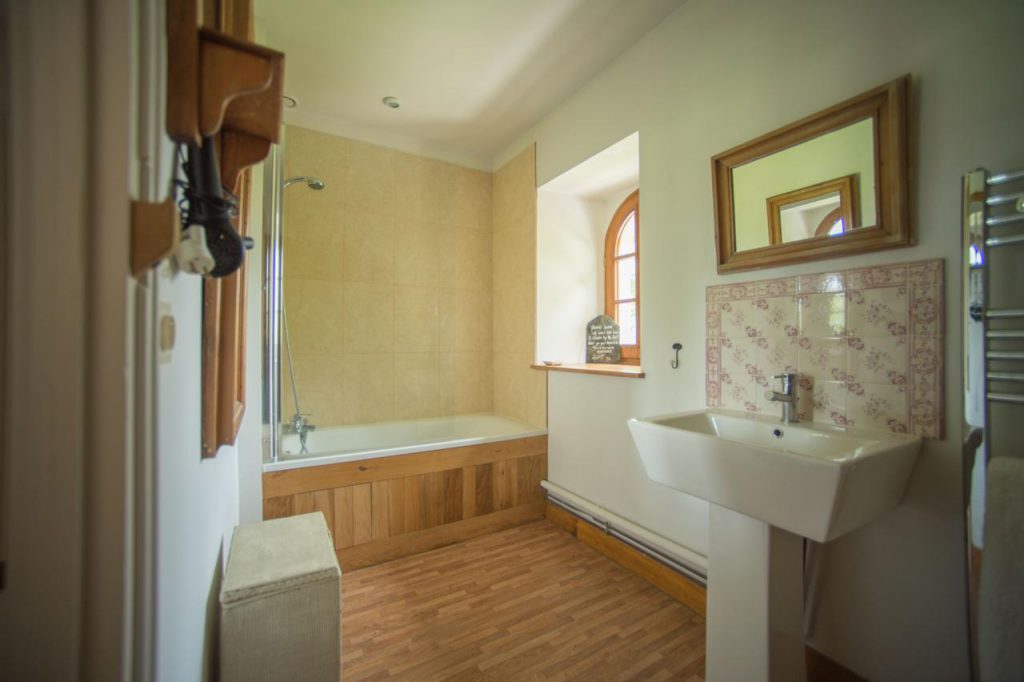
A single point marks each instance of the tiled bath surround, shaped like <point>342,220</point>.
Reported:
<point>387,283</point>
<point>867,345</point>
<point>409,285</point>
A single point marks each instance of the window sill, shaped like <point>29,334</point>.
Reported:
<point>624,371</point>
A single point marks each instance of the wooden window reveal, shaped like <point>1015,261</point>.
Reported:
<point>622,275</point>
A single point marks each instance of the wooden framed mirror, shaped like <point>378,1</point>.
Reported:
<point>832,184</point>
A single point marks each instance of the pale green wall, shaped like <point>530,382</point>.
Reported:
<point>843,152</point>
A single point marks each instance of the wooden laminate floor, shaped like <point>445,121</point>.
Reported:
<point>529,603</point>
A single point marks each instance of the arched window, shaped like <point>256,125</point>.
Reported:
<point>622,275</point>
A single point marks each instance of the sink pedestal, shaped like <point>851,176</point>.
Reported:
<point>755,601</point>
<point>813,480</point>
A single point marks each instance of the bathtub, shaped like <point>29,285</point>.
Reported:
<point>333,445</point>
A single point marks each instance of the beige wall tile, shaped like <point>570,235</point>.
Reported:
<point>424,189</point>
<point>515,191</point>
<point>465,320</point>
<point>446,382</point>
<point>473,259</point>
<point>513,387</point>
<point>313,308</point>
<point>313,237</point>
<point>514,261</point>
<point>474,382</point>
<point>369,251</point>
<point>436,202</point>
<point>370,178</point>
<point>473,330</point>
<point>311,153</point>
<point>472,199</point>
<point>446,305</point>
<point>416,319</point>
<point>447,264</point>
<point>410,238</point>
<point>368,318</point>
<point>519,392</point>
<point>369,387</point>
<point>514,324</point>
<point>417,385</point>
<point>417,249</point>
<point>320,384</point>
<point>467,382</point>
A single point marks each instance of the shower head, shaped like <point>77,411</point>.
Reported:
<point>311,182</point>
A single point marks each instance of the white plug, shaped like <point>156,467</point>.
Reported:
<point>193,255</point>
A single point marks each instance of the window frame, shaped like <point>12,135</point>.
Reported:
<point>631,204</point>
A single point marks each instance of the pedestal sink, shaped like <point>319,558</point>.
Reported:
<point>769,484</point>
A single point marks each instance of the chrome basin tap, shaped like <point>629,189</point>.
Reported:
<point>787,397</point>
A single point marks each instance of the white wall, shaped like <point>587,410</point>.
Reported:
<point>568,257</point>
<point>197,499</point>
<point>200,501</point>
<point>717,73</point>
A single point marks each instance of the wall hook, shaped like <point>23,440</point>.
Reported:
<point>676,347</point>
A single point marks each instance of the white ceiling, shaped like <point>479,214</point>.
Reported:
<point>471,74</point>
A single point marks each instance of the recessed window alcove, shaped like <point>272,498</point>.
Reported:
<point>579,213</point>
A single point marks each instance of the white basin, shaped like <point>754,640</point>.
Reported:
<point>813,480</point>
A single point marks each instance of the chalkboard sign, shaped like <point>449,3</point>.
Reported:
<point>603,340</point>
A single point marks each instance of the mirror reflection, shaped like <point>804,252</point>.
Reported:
<point>828,209</point>
<point>820,188</point>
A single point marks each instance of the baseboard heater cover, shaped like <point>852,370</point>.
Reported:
<point>694,572</point>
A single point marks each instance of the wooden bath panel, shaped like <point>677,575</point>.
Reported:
<point>388,507</point>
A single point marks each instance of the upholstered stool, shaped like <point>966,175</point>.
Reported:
<point>281,603</point>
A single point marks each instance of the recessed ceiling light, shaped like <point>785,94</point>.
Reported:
<point>391,102</point>
<point>289,102</point>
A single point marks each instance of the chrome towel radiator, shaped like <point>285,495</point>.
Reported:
<point>993,346</point>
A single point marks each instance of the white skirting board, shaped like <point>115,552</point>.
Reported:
<point>687,557</point>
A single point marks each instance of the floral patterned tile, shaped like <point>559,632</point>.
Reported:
<point>824,283</point>
<point>822,314</point>
<point>878,359</point>
<point>877,276</point>
<point>878,406</point>
<point>867,345</point>
<point>926,310</point>
<point>829,402</point>
<point>926,387</point>
<point>878,312</point>
<point>925,273</point>
<point>821,356</point>
<point>738,319</point>
<point>740,392</point>
<point>776,316</point>
<point>770,288</point>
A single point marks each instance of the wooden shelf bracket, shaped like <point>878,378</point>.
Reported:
<point>156,231</point>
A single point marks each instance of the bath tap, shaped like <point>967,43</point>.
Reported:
<point>787,397</point>
<point>300,425</point>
